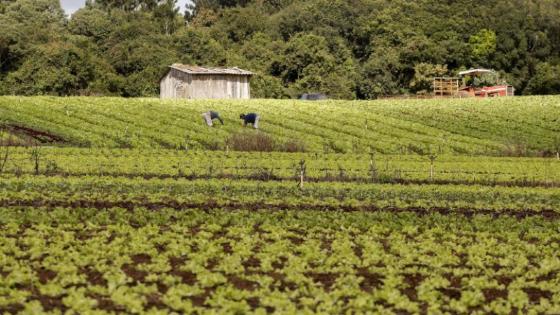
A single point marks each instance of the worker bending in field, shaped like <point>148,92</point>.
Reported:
<point>251,118</point>
<point>210,116</point>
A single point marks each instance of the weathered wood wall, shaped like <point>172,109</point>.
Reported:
<point>178,84</point>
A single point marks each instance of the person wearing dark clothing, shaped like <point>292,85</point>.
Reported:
<point>251,118</point>
<point>215,115</point>
<point>210,116</point>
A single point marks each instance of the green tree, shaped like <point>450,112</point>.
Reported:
<point>546,80</point>
<point>24,24</point>
<point>241,23</point>
<point>166,15</point>
<point>309,66</point>
<point>483,44</point>
<point>61,68</point>
<point>380,74</point>
<point>92,23</point>
<point>424,74</point>
<point>196,46</point>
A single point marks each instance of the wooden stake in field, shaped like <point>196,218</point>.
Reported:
<point>301,173</point>
<point>432,158</point>
<point>372,166</point>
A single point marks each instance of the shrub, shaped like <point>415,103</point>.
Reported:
<point>261,142</point>
<point>251,141</point>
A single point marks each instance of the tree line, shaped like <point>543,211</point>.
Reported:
<point>351,49</point>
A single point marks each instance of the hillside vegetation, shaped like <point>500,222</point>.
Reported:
<point>359,49</point>
<point>525,126</point>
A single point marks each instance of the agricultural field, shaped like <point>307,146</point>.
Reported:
<point>386,207</point>
<point>524,126</point>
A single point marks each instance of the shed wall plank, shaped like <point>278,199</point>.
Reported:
<point>178,84</point>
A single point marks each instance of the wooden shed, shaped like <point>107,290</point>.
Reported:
<point>194,82</point>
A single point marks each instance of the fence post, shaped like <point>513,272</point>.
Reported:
<point>35,157</point>
<point>432,160</point>
<point>372,167</point>
<point>301,173</point>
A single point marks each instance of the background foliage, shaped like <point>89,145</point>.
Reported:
<point>347,49</point>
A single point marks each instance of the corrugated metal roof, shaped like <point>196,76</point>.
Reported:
<point>209,70</point>
<point>475,71</point>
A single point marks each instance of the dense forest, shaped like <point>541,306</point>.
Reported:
<point>352,49</point>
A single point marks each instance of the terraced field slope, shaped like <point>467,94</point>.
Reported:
<point>506,126</point>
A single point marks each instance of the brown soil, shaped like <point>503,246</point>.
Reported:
<point>176,262</point>
<point>371,280</point>
<point>48,303</point>
<point>211,205</point>
<point>200,300</point>
<point>252,262</point>
<point>451,293</point>
<point>296,240</point>
<point>219,234</point>
<point>212,263</point>
<point>492,294</point>
<point>287,286</point>
<point>279,278</point>
<point>37,135</point>
<point>242,284</point>
<point>257,228</point>
<point>131,271</point>
<point>413,280</point>
<point>536,294</point>
<point>93,276</point>
<point>153,300</point>
<point>187,277</point>
<point>326,279</point>
<point>279,263</point>
<point>326,244</point>
<point>45,275</point>
<point>161,248</point>
<point>254,302</point>
<point>548,277</point>
<point>52,303</point>
<point>141,259</point>
<point>396,181</point>
<point>454,289</point>
<point>358,251</point>
<point>227,248</point>
<point>411,293</point>
<point>454,282</point>
<point>105,303</point>
<point>504,280</point>
<point>13,308</point>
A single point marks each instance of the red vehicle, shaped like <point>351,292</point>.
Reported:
<point>483,91</point>
<point>472,83</point>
